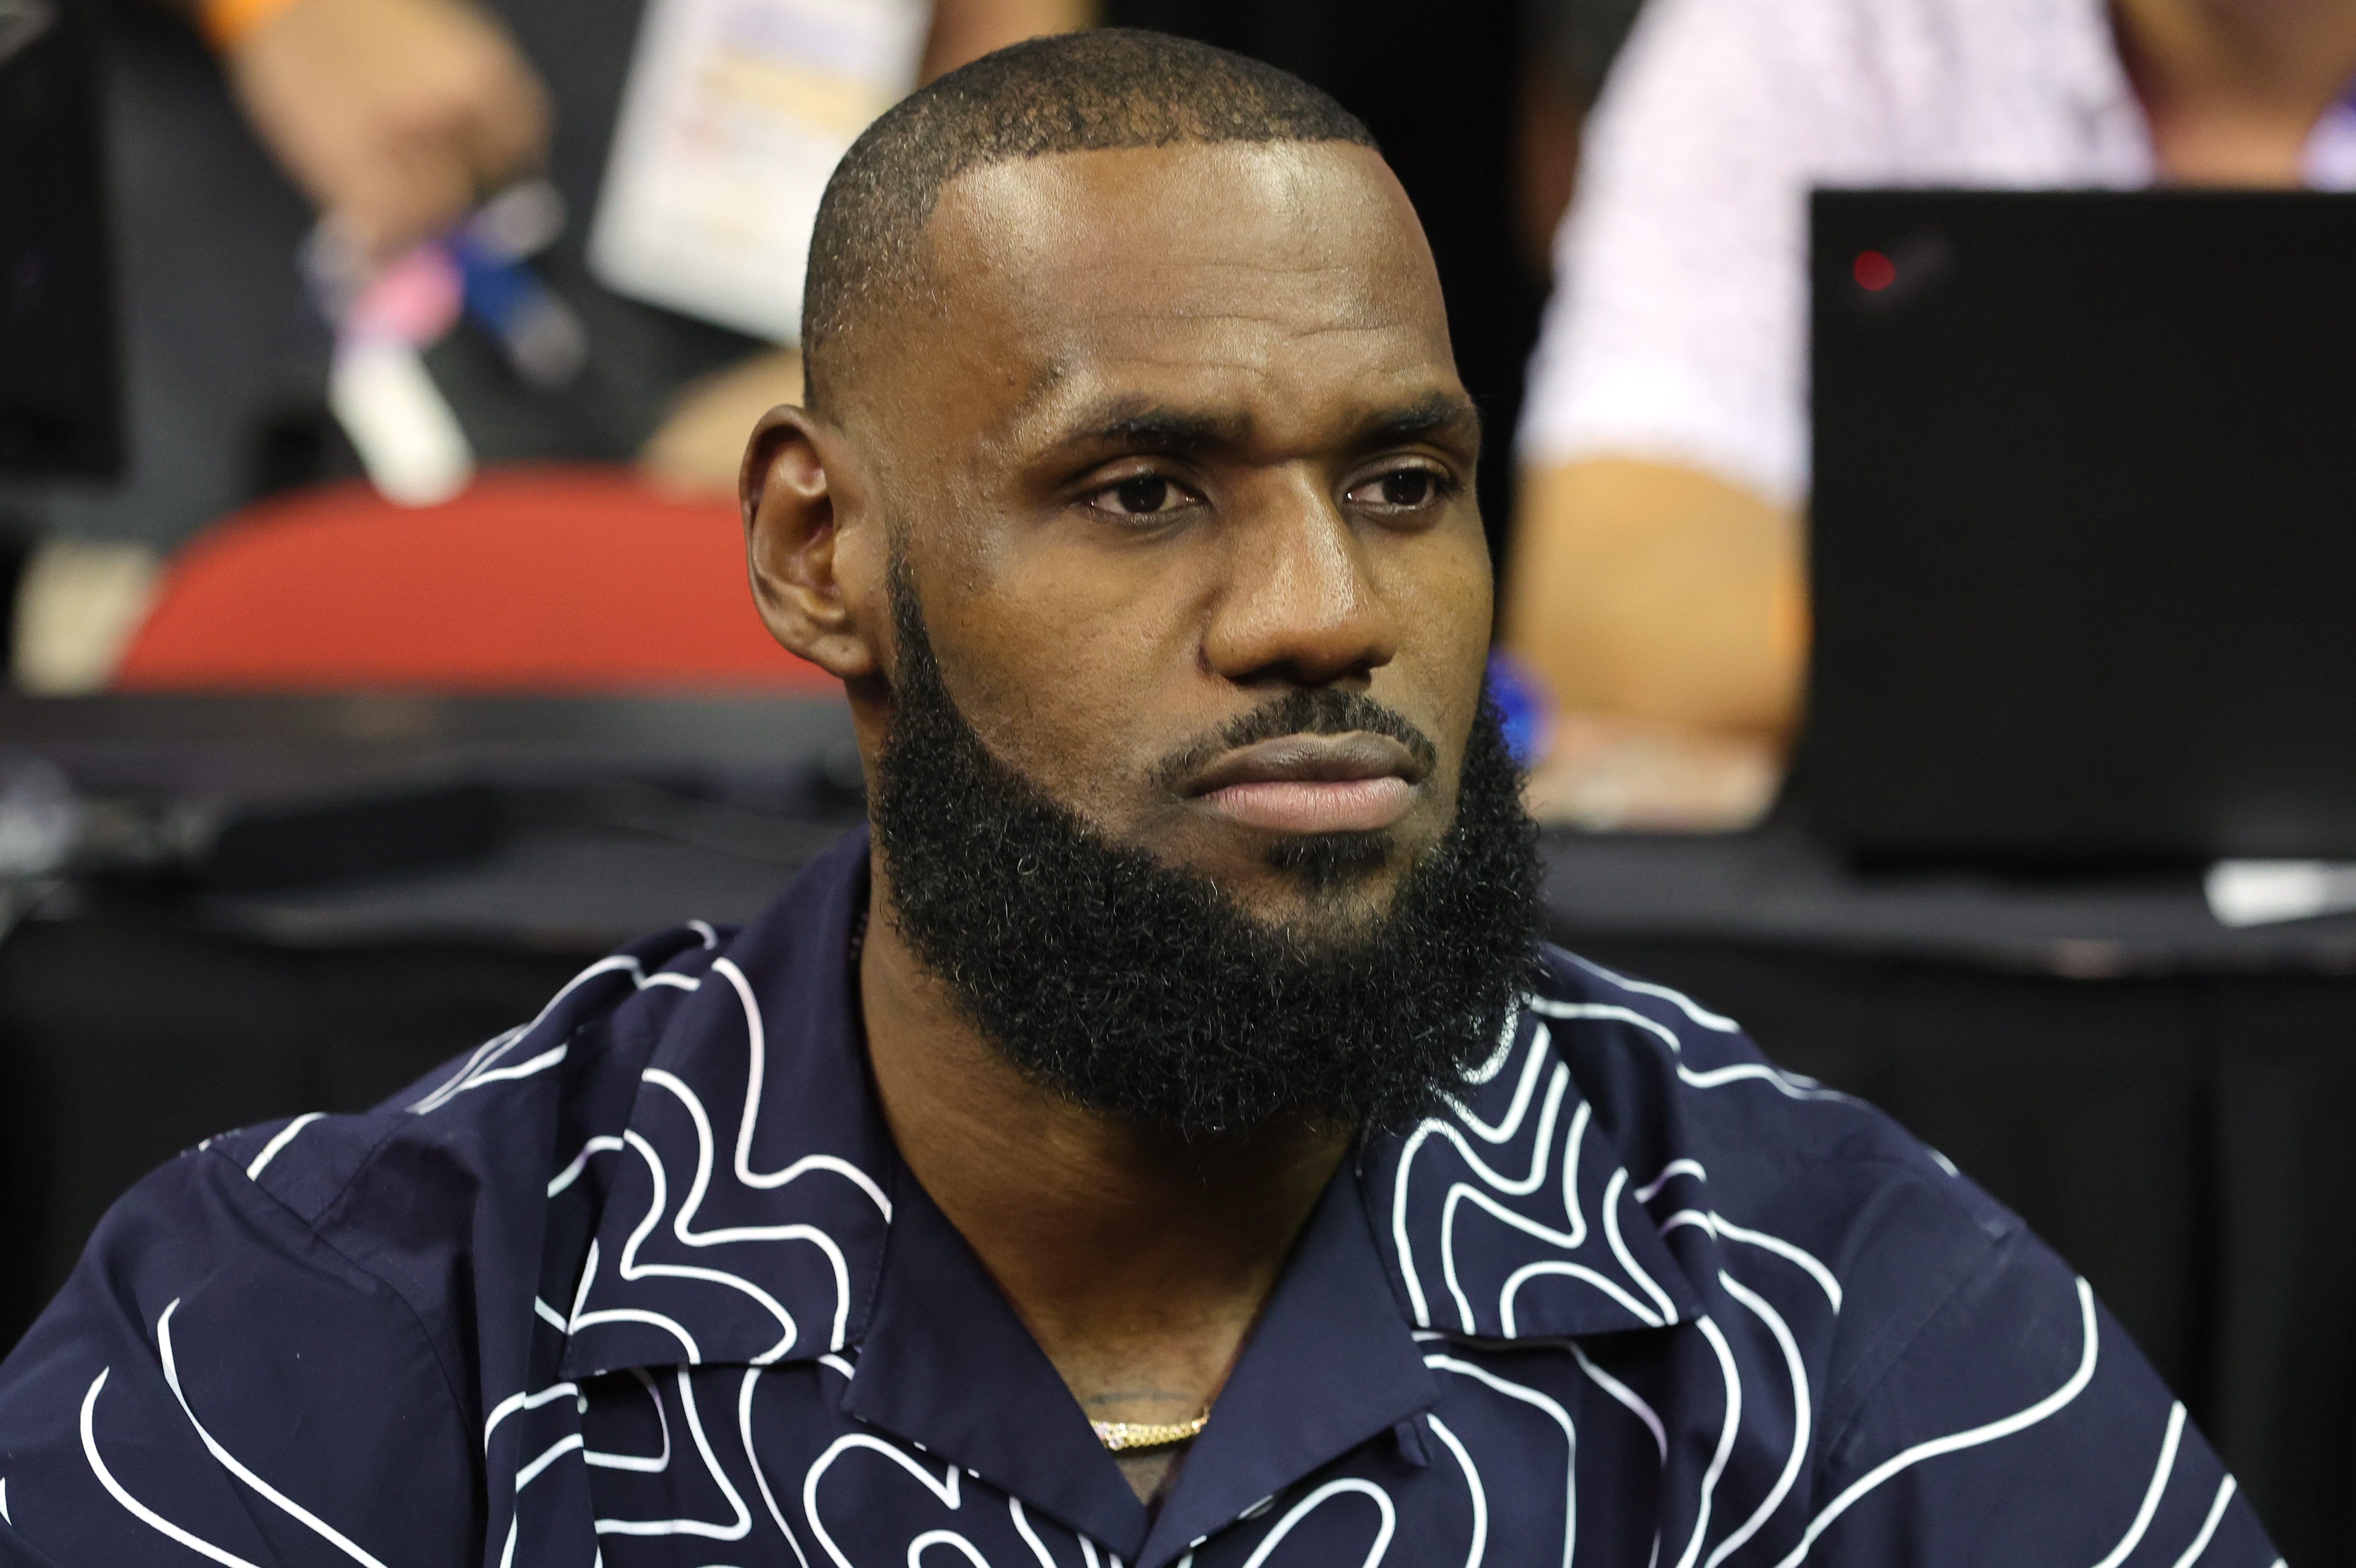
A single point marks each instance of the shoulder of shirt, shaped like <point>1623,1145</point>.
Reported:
<point>459,1127</point>
<point>1707,1126</point>
<point>1672,1079</point>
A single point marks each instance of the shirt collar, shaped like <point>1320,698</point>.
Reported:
<point>947,1364</point>
<point>1329,1365</point>
<point>1512,1214</point>
<point>757,1212</point>
<point>753,1190</point>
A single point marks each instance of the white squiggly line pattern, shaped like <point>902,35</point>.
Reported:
<point>1539,1150</point>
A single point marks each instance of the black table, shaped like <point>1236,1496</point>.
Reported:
<point>2162,1097</point>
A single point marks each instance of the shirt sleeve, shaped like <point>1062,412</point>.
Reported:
<point>1676,329</point>
<point>216,1382</point>
<point>2022,1426</point>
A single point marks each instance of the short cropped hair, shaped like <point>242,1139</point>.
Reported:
<point>1112,88</point>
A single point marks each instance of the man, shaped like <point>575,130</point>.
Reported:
<point>1165,1142</point>
<point>1657,567</point>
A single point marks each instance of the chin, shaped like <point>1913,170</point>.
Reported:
<point>1339,862</point>
<point>1330,890</point>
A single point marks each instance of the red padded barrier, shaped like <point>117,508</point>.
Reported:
<point>534,579</point>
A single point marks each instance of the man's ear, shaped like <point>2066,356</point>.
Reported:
<point>792,486</point>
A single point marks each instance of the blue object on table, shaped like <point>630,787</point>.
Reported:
<point>1523,703</point>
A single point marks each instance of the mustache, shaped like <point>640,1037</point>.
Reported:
<point>1319,710</point>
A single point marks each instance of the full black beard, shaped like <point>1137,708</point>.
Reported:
<point>1144,991</point>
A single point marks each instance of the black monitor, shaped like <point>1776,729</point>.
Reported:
<point>59,399</point>
<point>2083,540</point>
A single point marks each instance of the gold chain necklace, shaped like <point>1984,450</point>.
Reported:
<point>1119,1436</point>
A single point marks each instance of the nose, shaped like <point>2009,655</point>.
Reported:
<point>1298,607</point>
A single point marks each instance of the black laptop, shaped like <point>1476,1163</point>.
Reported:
<point>2084,530</point>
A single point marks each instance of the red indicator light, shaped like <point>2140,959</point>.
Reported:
<point>1873,272</point>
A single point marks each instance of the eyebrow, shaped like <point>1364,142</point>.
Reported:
<point>1128,424</point>
<point>1133,426</point>
<point>1434,413</point>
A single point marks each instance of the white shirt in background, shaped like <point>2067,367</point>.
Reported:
<point>1678,327</point>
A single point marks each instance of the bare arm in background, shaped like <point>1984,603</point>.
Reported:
<point>1656,581</point>
<point>1660,592</point>
<point>699,445</point>
<point>395,116</point>
<point>1665,610</point>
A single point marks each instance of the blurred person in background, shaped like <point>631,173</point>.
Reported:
<point>386,123</point>
<point>1567,48</point>
<point>397,117</point>
<point>1658,585</point>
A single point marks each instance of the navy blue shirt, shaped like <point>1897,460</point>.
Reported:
<point>644,1282</point>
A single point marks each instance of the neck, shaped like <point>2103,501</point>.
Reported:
<point>2233,88</point>
<point>1138,1261</point>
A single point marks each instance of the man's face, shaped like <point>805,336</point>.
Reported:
<point>1180,435</point>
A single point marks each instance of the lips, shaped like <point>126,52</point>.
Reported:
<point>1357,783</point>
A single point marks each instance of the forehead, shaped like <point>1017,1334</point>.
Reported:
<point>1288,281</point>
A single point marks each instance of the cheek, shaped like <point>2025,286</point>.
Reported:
<point>1441,587</point>
<point>1069,699</point>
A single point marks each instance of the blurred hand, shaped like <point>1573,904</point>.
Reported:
<point>395,115</point>
<point>1606,773</point>
<point>700,444</point>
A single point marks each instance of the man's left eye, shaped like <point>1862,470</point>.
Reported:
<point>1402,489</point>
<point>1146,496</point>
